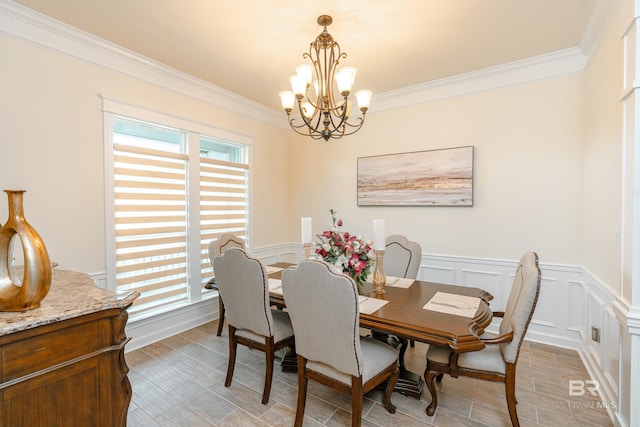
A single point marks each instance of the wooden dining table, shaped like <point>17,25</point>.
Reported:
<point>404,317</point>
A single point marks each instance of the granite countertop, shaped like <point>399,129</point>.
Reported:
<point>72,294</point>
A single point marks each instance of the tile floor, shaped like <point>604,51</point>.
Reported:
<point>180,382</point>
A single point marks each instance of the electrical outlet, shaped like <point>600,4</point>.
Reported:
<point>595,334</point>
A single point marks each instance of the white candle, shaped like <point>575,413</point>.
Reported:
<point>306,230</point>
<point>378,235</point>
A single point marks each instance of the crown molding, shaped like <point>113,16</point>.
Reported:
<point>601,19</point>
<point>527,70</point>
<point>24,24</point>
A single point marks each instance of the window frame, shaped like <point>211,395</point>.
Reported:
<point>194,131</point>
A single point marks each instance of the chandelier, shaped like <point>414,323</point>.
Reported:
<point>324,113</point>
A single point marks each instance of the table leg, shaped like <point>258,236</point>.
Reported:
<point>290,360</point>
<point>409,383</point>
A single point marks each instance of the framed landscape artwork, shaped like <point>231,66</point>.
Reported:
<point>424,178</point>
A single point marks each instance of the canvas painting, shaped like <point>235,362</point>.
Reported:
<point>424,178</point>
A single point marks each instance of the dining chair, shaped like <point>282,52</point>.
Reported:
<point>323,306</point>
<point>401,257</point>
<point>217,247</point>
<point>244,285</point>
<point>497,361</point>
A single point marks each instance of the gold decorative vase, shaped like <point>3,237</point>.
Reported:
<point>25,294</point>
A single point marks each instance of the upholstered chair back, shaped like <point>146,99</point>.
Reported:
<point>224,242</point>
<point>244,286</point>
<point>323,307</point>
<point>401,257</point>
<point>520,305</point>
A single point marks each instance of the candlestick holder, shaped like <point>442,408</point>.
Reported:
<point>307,250</point>
<point>379,279</point>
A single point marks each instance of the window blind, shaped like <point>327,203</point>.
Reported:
<point>150,198</point>
<point>223,204</point>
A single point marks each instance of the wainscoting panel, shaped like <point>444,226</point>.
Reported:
<point>596,321</point>
<point>490,281</point>
<point>437,274</point>
<point>578,294</point>
<point>602,359</point>
<point>611,350</point>
<point>546,314</point>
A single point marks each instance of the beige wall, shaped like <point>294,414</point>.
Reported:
<point>602,208</point>
<point>52,146</point>
<point>531,163</point>
<point>528,143</point>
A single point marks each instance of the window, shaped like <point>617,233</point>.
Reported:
<point>173,187</point>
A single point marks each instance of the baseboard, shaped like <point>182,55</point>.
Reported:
<point>153,329</point>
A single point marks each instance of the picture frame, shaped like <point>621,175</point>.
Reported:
<point>441,177</point>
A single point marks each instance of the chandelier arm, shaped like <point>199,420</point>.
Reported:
<point>358,124</point>
<point>312,130</point>
<point>313,135</point>
<point>357,127</point>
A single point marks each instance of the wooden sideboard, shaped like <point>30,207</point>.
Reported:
<point>63,364</point>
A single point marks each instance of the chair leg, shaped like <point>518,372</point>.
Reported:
<point>510,390</point>
<point>302,390</point>
<point>233,344</point>
<point>220,315</point>
<point>268,377</point>
<point>387,395</point>
<point>357,397</point>
<point>429,379</point>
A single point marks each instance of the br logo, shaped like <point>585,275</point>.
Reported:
<point>581,387</point>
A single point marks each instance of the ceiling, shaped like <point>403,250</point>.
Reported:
<point>251,47</point>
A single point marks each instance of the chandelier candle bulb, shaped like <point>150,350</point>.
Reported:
<point>364,99</point>
<point>305,71</point>
<point>287,98</point>
<point>378,235</point>
<point>307,110</point>
<point>298,85</point>
<point>345,79</point>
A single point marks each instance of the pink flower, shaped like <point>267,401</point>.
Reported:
<point>339,223</point>
<point>359,266</point>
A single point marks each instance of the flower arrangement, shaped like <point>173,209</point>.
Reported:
<point>348,253</point>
